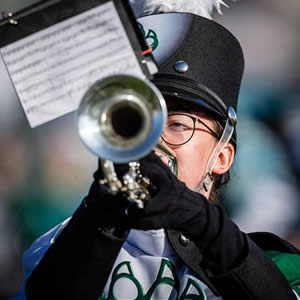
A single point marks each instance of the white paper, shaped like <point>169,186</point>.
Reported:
<point>52,69</point>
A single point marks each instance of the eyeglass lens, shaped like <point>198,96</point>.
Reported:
<point>179,129</point>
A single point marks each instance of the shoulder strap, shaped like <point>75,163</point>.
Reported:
<point>269,241</point>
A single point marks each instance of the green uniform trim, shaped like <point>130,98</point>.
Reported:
<point>289,265</point>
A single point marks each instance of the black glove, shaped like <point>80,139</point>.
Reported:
<point>162,210</point>
<point>172,206</point>
<point>176,207</point>
<point>110,209</point>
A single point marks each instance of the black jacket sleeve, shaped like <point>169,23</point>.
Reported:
<point>79,262</point>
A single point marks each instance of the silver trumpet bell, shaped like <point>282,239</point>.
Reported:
<point>120,119</point>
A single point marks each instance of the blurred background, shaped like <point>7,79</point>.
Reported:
<point>45,172</point>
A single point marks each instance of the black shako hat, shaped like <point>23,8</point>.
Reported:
<point>199,60</point>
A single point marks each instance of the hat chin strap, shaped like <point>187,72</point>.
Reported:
<point>206,183</point>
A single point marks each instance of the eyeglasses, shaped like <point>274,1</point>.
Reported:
<point>180,128</point>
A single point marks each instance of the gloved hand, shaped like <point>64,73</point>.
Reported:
<point>109,209</point>
<point>174,206</point>
<point>156,214</point>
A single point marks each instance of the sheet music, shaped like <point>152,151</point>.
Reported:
<point>52,69</point>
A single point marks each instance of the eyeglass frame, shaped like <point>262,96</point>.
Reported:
<point>194,128</point>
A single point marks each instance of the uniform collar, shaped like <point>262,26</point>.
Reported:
<point>151,242</point>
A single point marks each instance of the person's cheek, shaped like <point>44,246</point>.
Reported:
<point>187,167</point>
<point>192,163</point>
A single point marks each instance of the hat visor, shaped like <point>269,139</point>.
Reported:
<point>188,90</point>
<point>200,102</point>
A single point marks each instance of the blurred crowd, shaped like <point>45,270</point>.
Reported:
<point>45,172</point>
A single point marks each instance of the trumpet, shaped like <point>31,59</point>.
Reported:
<point>120,119</point>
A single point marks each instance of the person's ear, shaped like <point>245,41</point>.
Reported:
<point>224,160</point>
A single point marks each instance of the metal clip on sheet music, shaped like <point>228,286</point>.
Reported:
<point>12,20</point>
<point>9,17</point>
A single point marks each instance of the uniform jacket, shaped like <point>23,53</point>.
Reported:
<point>256,277</point>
